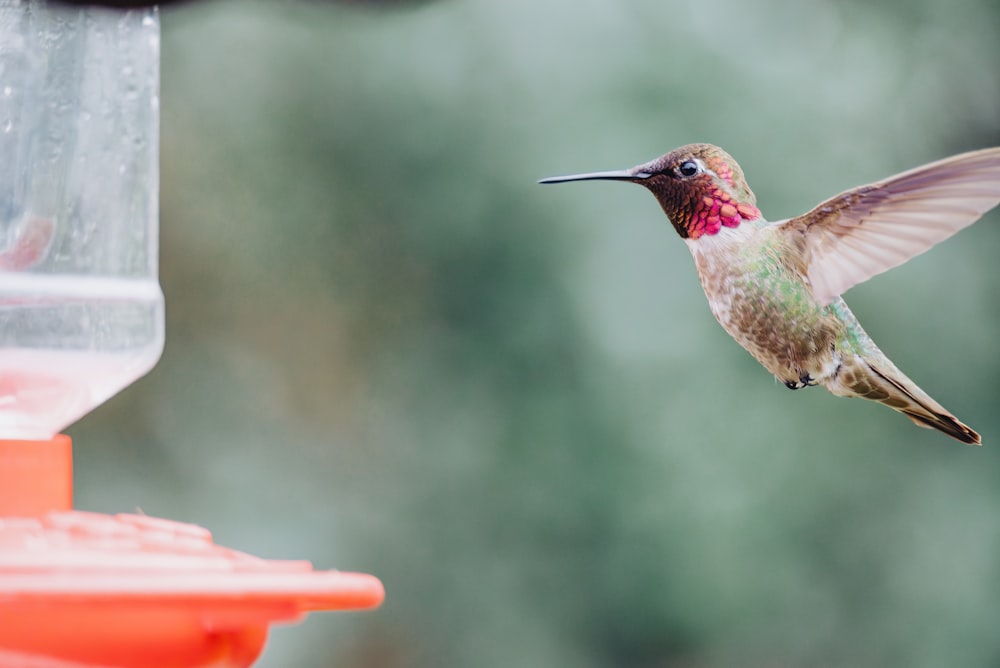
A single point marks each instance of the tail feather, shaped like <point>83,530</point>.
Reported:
<point>921,409</point>
<point>879,380</point>
<point>946,423</point>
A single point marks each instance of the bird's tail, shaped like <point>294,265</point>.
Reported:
<point>880,380</point>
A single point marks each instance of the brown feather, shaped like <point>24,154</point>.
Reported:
<point>867,230</point>
<point>925,412</point>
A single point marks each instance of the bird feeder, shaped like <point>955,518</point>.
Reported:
<point>81,318</point>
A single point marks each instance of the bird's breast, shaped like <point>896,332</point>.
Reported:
<point>765,305</point>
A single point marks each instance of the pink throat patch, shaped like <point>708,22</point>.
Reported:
<point>715,211</point>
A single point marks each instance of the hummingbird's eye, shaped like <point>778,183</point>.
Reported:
<point>688,168</point>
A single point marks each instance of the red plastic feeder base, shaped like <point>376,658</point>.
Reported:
<point>84,589</point>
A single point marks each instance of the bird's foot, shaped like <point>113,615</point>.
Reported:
<point>805,380</point>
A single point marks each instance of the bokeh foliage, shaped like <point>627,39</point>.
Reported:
<point>388,350</point>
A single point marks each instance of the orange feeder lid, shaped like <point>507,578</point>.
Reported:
<point>85,589</point>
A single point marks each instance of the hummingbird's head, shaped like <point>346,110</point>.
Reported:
<point>700,187</point>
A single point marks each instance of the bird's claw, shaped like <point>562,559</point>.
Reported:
<point>805,380</point>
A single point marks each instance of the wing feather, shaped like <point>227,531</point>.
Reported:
<point>865,231</point>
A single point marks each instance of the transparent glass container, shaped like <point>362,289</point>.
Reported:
<point>81,310</point>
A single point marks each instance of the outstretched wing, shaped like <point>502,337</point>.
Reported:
<point>865,231</point>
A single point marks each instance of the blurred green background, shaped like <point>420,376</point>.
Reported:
<point>389,350</point>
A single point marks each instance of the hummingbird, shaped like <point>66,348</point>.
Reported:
<point>776,287</point>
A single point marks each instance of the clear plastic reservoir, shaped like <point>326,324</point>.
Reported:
<point>81,311</point>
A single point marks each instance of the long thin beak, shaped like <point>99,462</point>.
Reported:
<point>615,175</point>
